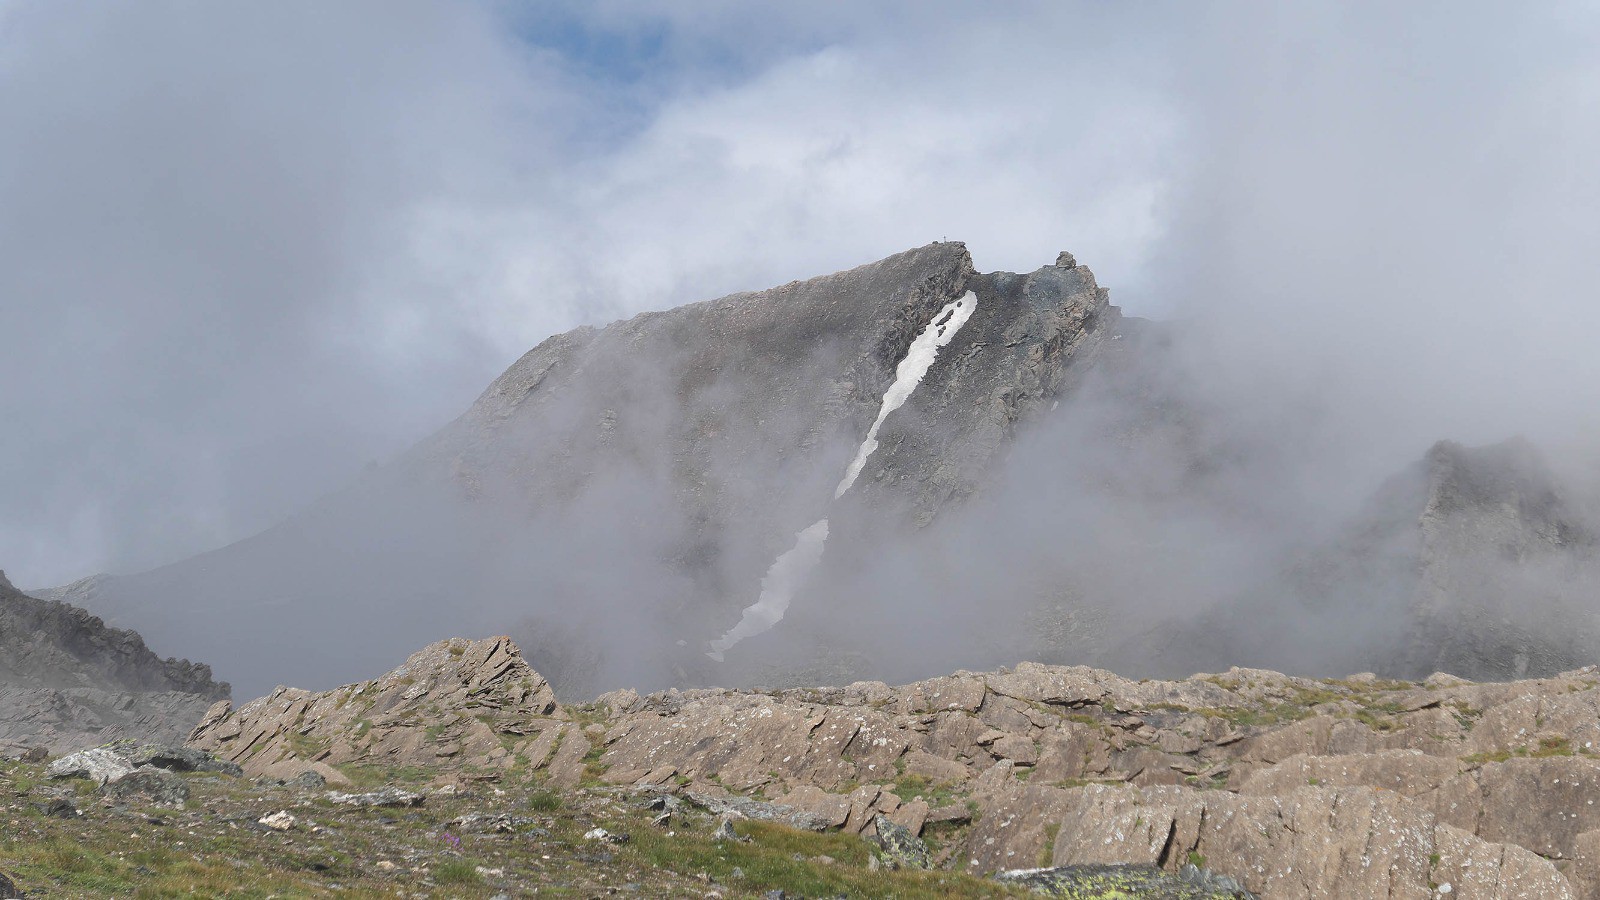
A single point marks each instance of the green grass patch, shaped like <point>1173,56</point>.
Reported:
<point>1047,853</point>
<point>457,872</point>
<point>787,859</point>
<point>544,801</point>
<point>934,793</point>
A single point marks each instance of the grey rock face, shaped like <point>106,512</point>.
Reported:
<point>615,499</point>
<point>157,787</point>
<point>1507,568</point>
<point>56,645</point>
<point>98,765</point>
<point>1474,561</point>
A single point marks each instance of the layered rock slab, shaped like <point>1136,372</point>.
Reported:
<point>455,704</point>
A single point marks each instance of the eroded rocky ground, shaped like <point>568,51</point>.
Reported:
<point>473,838</point>
<point>1290,787</point>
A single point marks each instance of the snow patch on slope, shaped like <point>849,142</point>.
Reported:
<point>918,360</point>
<point>789,570</point>
<point>777,589</point>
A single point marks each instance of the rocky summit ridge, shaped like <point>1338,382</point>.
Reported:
<point>1286,787</point>
<point>66,679</point>
<point>748,491</point>
<point>625,499</point>
<point>618,495</point>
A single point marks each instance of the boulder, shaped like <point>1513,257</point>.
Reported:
<point>282,820</point>
<point>389,796</point>
<point>1406,772</point>
<point>1311,842</point>
<point>746,808</point>
<point>98,765</point>
<point>934,768</point>
<point>834,809</point>
<point>183,759</point>
<point>156,787</point>
<point>898,848</point>
<point>1058,685</point>
<point>60,808</point>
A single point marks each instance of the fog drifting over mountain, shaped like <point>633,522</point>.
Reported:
<point>244,250</point>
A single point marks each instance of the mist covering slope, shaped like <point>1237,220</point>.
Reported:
<point>1060,486</point>
<point>616,496</point>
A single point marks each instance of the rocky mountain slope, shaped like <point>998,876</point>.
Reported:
<point>1293,787</point>
<point>884,473</point>
<point>67,679</point>
<point>619,494</point>
<point>1477,561</point>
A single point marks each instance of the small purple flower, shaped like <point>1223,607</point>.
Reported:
<point>452,840</point>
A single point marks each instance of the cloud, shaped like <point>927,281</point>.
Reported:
<point>247,249</point>
<point>213,309</point>
<point>1385,214</point>
<point>244,250</point>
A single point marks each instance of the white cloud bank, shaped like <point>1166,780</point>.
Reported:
<point>246,248</point>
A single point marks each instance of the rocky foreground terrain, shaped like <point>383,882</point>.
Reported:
<point>459,774</point>
<point>66,679</point>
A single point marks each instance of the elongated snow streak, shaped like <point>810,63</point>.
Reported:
<point>909,374</point>
<point>790,569</point>
<point>777,589</point>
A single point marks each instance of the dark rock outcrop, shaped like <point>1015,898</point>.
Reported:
<point>66,680</point>
<point>148,786</point>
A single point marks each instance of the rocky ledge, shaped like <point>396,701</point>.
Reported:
<point>1289,787</point>
<point>456,704</point>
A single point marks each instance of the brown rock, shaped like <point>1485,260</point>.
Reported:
<point>934,768</point>
<point>446,706</point>
<point>1540,804</point>
<point>1016,748</point>
<point>1312,842</point>
<point>1014,828</point>
<point>567,766</point>
<point>1057,685</point>
<point>832,808</point>
<point>911,815</point>
<point>1406,772</point>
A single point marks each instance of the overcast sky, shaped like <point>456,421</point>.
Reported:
<point>246,248</point>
